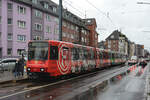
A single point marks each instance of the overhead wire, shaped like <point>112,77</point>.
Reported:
<point>81,13</point>
<point>101,12</point>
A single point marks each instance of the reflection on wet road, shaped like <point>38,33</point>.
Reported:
<point>131,87</point>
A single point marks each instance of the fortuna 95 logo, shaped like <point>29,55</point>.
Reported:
<point>64,64</point>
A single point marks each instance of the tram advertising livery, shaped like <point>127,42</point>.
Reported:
<point>56,58</point>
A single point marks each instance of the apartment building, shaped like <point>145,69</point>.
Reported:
<point>24,20</point>
<point>15,28</point>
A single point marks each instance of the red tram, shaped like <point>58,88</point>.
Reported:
<point>56,58</point>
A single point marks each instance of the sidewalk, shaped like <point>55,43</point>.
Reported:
<point>147,86</point>
<point>9,77</point>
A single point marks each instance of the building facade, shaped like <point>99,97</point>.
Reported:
<point>139,52</point>
<point>24,20</point>
<point>93,38</point>
<point>117,42</point>
<point>15,28</point>
<point>132,49</point>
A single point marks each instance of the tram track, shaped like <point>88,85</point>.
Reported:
<point>33,83</point>
<point>34,87</point>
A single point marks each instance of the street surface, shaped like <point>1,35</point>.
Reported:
<point>131,87</point>
<point>113,84</point>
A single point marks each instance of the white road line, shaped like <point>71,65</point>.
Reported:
<point>38,87</point>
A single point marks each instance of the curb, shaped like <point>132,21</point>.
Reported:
<point>13,81</point>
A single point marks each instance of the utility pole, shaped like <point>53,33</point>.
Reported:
<point>60,20</point>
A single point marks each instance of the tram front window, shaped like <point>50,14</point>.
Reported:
<point>38,52</point>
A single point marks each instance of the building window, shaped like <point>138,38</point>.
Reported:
<point>72,27</point>
<point>0,35</point>
<point>46,5</point>
<point>0,19</point>
<point>9,6</point>
<point>63,34</point>
<point>21,10</point>
<point>64,23</point>
<point>47,17</point>
<point>38,27</point>
<point>38,13</point>
<point>82,39</point>
<point>21,24</point>
<point>77,28</point>
<point>56,20</point>
<point>21,38</point>
<point>20,51</point>
<point>48,29</point>
<point>37,38</point>
<point>9,51</point>
<point>72,36</point>
<point>0,3</point>
<point>82,31</point>
<point>9,21</point>
<point>34,1</point>
<point>9,37</point>
<point>56,31</point>
<point>54,9</point>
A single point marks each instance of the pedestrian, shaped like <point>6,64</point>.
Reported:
<point>21,65</point>
<point>16,69</point>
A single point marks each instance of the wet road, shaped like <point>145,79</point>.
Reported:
<point>62,90</point>
<point>131,87</point>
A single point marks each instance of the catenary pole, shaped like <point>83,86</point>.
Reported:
<point>60,20</point>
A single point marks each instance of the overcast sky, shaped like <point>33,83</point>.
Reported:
<point>126,15</point>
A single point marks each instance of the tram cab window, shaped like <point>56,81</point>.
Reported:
<point>53,53</point>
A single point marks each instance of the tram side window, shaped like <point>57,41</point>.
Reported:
<point>104,55</point>
<point>81,54</point>
<point>97,55</point>
<point>101,55</point>
<point>92,55</point>
<point>116,55</point>
<point>113,55</point>
<point>75,54</point>
<point>85,54</point>
<point>53,52</point>
<point>110,55</point>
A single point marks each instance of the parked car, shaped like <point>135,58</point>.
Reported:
<point>133,60</point>
<point>7,64</point>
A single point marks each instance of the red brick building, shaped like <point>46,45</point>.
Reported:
<point>93,36</point>
<point>74,29</point>
<point>117,41</point>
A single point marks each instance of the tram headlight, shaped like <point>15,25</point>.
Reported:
<point>28,69</point>
<point>42,69</point>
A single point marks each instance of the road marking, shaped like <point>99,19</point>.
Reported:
<point>38,87</point>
